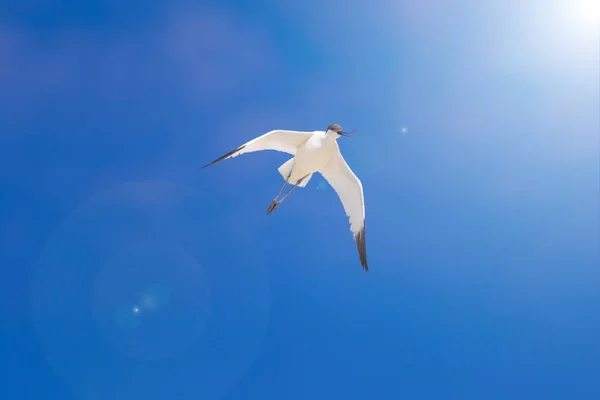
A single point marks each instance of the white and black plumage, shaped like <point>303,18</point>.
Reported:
<point>312,152</point>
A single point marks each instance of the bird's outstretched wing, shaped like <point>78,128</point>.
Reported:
<point>350,191</point>
<point>278,140</point>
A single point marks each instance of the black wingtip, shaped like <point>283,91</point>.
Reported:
<point>232,152</point>
<point>361,245</point>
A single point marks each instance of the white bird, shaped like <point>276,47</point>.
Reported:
<point>312,152</point>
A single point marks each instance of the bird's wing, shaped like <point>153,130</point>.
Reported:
<point>350,191</point>
<point>278,140</point>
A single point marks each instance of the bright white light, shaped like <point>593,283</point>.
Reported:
<point>403,130</point>
<point>136,310</point>
<point>585,12</point>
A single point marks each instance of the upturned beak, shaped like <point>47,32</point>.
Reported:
<point>348,134</point>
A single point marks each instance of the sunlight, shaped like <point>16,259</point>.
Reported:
<point>584,13</point>
<point>555,40</point>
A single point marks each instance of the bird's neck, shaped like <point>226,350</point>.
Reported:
<point>332,135</point>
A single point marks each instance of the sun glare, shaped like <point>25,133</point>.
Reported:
<point>585,12</point>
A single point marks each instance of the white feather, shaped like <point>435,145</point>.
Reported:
<point>349,190</point>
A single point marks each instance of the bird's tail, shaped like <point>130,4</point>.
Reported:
<point>285,170</point>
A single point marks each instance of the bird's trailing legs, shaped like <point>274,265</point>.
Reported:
<point>276,202</point>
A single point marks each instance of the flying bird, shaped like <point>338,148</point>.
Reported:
<point>312,152</point>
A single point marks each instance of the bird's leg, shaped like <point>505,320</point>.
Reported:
<point>280,190</point>
<point>293,187</point>
<point>275,203</point>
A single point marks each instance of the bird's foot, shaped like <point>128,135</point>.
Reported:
<point>272,206</point>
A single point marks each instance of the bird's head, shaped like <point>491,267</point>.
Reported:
<point>336,130</point>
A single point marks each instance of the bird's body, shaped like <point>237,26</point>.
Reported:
<point>312,152</point>
<point>312,156</point>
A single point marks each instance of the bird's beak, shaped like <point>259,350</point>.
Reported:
<point>348,134</point>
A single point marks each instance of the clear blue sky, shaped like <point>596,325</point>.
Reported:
<point>127,273</point>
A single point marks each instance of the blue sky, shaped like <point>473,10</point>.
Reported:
<point>127,273</point>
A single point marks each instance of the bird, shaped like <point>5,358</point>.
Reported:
<point>314,152</point>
